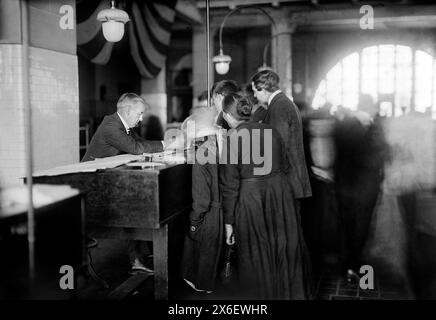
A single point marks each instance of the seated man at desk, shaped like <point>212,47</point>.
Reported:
<point>113,137</point>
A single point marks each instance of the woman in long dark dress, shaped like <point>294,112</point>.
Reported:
<point>258,209</point>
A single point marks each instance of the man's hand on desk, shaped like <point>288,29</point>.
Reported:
<point>174,143</point>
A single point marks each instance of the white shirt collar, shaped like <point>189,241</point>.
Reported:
<point>273,95</point>
<point>124,123</point>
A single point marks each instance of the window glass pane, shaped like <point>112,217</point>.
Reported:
<point>334,88</point>
<point>434,92</point>
<point>423,80</point>
<point>386,68</point>
<point>350,81</point>
<point>386,109</point>
<point>320,93</point>
<point>403,79</point>
<point>369,71</point>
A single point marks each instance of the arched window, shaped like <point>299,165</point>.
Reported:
<point>398,78</point>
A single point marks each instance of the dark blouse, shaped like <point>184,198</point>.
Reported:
<point>269,146</point>
<point>258,115</point>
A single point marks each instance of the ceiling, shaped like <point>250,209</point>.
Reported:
<point>298,3</point>
<point>337,14</point>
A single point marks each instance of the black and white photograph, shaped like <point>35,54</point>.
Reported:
<point>214,157</point>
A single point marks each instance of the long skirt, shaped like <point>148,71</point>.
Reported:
<point>272,258</point>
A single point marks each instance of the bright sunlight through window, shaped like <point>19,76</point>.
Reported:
<point>398,79</point>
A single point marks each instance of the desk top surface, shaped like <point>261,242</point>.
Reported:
<point>14,200</point>
<point>123,160</point>
<point>126,196</point>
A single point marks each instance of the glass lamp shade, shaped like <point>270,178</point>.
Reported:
<point>113,31</point>
<point>113,21</point>
<point>222,67</point>
<point>222,63</point>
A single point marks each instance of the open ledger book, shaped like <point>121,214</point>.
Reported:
<point>166,157</point>
<point>90,166</point>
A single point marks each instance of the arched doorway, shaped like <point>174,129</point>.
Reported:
<point>397,77</point>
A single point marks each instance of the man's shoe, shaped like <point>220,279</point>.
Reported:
<point>352,277</point>
<point>139,268</point>
<point>194,287</point>
<point>91,242</point>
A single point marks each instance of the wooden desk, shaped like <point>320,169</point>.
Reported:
<point>134,204</point>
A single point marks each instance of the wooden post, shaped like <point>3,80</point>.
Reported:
<point>200,60</point>
<point>160,254</point>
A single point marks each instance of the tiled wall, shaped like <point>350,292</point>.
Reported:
<point>55,111</point>
<point>12,147</point>
<point>54,96</point>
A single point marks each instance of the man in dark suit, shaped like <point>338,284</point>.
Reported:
<point>284,115</point>
<point>113,137</point>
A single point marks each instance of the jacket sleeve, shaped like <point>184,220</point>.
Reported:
<point>151,146</point>
<point>229,178</point>
<point>120,140</point>
<point>286,121</point>
<point>281,121</point>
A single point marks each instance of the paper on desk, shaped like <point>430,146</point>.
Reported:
<point>169,157</point>
<point>90,166</point>
<point>158,154</point>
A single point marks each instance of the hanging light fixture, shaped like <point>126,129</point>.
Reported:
<point>113,21</point>
<point>222,61</point>
<point>265,51</point>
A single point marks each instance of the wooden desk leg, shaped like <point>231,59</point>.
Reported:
<point>160,254</point>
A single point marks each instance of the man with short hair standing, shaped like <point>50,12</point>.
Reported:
<point>284,115</point>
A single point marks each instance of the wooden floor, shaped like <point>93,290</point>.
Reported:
<point>111,263</point>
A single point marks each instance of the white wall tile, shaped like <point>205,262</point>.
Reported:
<point>55,111</point>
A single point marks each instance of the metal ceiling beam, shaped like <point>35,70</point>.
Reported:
<point>351,15</point>
<point>235,3</point>
<point>189,12</point>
